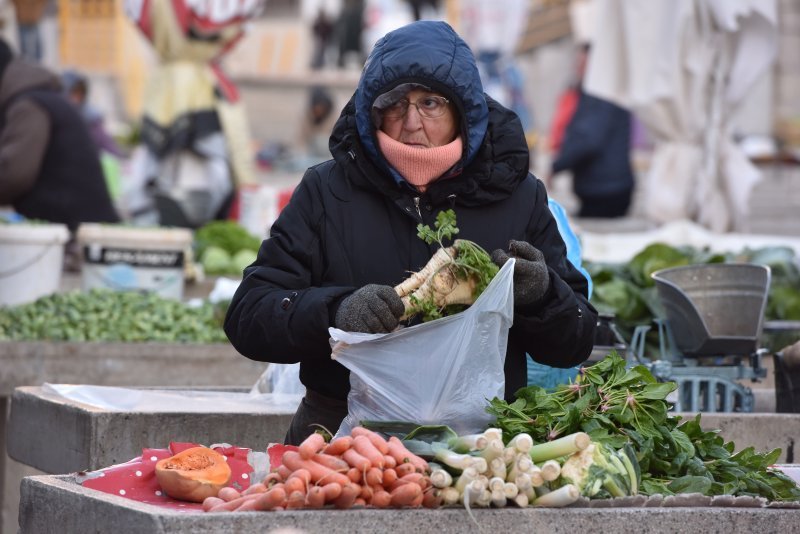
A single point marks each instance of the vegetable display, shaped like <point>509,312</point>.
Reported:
<point>193,474</point>
<point>225,247</point>
<point>361,469</point>
<point>107,315</point>
<point>454,277</point>
<point>617,406</point>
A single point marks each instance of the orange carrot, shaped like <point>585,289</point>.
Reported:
<point>332,491</point>
<point>389,476</point>
<point>296,499</point>
<point>356,459</point>
<point>269,500</point>
<point>249,505</point>
<point>303,474</point>
<point>417,501</point>
<point>319,473</point>
<point>331,462</point>
<point>389,461</point>
<point>354,475</point>
<point>338,445</point>
<point>255,488</point>
<point>295,484</point>
<point>373,436</point>
<point>272,478</point>
<point>315,498</point>
<point>211,502</point>
<point>230,506</point>
<point>404,495</point>
<point>414,478</point>
<point>381,499</point>
<point>348,496</point>
<point>432,498</point>
<point>403,455</point>
<point>228,494</point>
<point>363,446</point>
<point>374,476</point>
<point>283,471</point>
<point>405,469</point>
<point>311,446</point>
<point>366,493</point>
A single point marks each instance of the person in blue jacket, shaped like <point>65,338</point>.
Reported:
<point>596,149</point>
<point>418,137</point>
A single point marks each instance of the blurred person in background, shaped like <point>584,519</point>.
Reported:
<point>349,28</point>
<point>49,166</point>
<point>596,149</point>
<point>322,31</point>
<point>29,15</point>
<point>418,137</point>
<point>317,124</point>
<point>76,88</point>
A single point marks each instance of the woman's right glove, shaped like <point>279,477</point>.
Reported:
<point>531,278</point>
<point>372,309</point>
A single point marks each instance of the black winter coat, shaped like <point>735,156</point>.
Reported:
<point>350,223</point>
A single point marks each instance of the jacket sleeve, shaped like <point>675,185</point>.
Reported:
<point>278,314</point>
<point>585,135</point>
<point>23,142</point>
<point>559,330</point>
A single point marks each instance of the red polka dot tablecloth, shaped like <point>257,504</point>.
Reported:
<point>136,479</point>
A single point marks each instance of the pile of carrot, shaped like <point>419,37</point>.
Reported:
<point>362,469</point>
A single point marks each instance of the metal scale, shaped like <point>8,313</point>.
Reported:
<point>709,339</point>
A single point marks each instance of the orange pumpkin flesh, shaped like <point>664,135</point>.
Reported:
<point>193,474</point>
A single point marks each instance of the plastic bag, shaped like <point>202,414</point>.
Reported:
<point>439,372</point>
<point>280,378</point>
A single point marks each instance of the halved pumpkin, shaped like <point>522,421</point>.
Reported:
<point>193,474</point>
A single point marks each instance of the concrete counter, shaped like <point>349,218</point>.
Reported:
<point>59,435</point>
<point>58,504</point>
<point>109,364</point>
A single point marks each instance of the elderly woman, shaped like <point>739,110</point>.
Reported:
<point>419,136</point>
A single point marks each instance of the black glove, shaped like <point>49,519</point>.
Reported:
<point>531,278</point>
<point>372,309</point>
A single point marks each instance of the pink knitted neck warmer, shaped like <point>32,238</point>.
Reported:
<point>419,166</point>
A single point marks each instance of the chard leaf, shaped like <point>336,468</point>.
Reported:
<point>690,484</point>
<point>658,390</point>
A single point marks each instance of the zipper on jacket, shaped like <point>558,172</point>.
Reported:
<point>416,205</point>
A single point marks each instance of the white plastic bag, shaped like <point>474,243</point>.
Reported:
<point>440,372</point>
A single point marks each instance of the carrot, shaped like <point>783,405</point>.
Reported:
<point>363,446</point>
<point>255,488</point>
<point>389,476</point>
<point>404,495</point>
<point>269,500</point>
<point>211,502</point>
<point>294,484</point>
<point>354,475</point>
<point>417,502</point>
<point>311,446</point>
<point>283,471</point>
<point>389,461</point>
<point>332,491</point>
<point>250,505</point>
<point>373,436</point>
<point>417,479</point>
<point>366,493</point>
<point>303,474</point>
<point>348,496</point>
<point>331,462</point>
<point>296,499</point>
<point>374,476</point>
<point>359,502</point>
<point>356,459</point>
<point>230,506</point>
<point>319,473</point>
<point>272,478</point>
<point>432,498</point>
<point>315,498</point>
<point>228,494</point>
<point>381,499</point>
<point>338,445</point>
<point>403,455</point>
<point>405,469</point>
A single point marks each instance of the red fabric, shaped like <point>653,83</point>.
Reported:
<point>565,108</point>
<point>136,479</point>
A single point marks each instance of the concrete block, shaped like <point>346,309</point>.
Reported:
<point>58,435</point>
<point>123,364</point>
<point>58,504</point>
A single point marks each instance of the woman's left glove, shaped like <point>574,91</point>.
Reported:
<point>531,278</point>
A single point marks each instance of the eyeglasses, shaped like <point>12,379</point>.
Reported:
<point>429,107</point>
